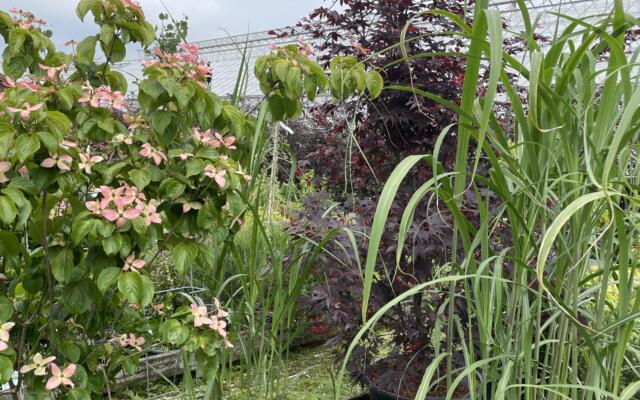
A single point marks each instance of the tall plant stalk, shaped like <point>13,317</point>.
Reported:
<point>550,269</point>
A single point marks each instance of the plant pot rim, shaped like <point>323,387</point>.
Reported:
<point>373,387</point>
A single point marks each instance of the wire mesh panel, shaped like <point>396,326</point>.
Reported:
<point>226,53</point>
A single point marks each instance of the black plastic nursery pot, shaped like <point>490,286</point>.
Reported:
<point>376,393</point>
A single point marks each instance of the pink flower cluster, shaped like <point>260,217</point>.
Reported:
<point>187,61</point>
<point>131,341</point>
<point>63,162</point>
<point>305,49</point>
<point>216,174</point>
<point>25,110</point>
<point>25,83</point>
<point>58,377</point>
<point>132,263</point>
<point>151,152</point>
<point>4,335</point>
<point>133,5</point>
<point>103,97</point>
<point>216,141</point>
<point>124,204</point>
<point>215,322</point>
<point>5,166</point>
<point>52,72</point>
<point>61,377</point>
<point>25,19</point>
<point>38,366</point>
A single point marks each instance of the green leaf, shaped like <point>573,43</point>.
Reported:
<point>374,83</point>
<point>80,229</point>
<point>77,297</point>
<point>184,94</point>
<point>7,133</point>
<point>117,81</point>
<point>8,210</point>
<point>235,117</point>
<point>160,120</point>
<point>26,146</point>
<point>15,67</point>
<point>6,309</point>
<point>140,178</point>
<point>116,50</point>
<point>112,244</point>
<point>183,255</point>
<point>6,369</point>
<point>50,142</point>
<point>106,33</point>
<point>79,394</point>
<point>153,88</point>
<point>108,277</point>
<point>194,167</point>
<point>71,351</point>
<point>293,84</point>
<point>58,124</point>
<point>137,289</point>
<point>62,265</point>
<point>9,244</point>
<point>84,6</point>
<point>281,69</point>
<point>86,50</point>
<point>207,216</point>
<point>174,332</point>
<point>172,188</point>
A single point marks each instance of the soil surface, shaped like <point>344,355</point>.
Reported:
<point>401,376</point>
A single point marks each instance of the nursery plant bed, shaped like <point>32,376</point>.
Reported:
<point>153,367</point>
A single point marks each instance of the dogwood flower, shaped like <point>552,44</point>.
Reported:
<point>159,308</point>
<point>150,215</point>
<point>361,48</point>
<point>149,151</point>
<point>134,122</point>
<point>200,316</point>
<point>219,176</point>
<point>59,377</point>
<point>133,5</point>
<point>63,162</point>
<point>121,138</point>
<point>135,342</point>
<point>27,84</point>
<point>121,215</point>
<point>26,110</point>
<point>132,263</point>
<point>67,145</point>
<point>52,72</point>
<point>87,161</point>
<point>243,174</point>
<point>38,366</point>
<point>202,137</point>
<point>219,326</point>
<point>4,167</point>
<point>221,313</point>
<point>4,335</point>
<point>227,142</point>
<point>190,48</point>
<point>103,97</point>
<point>189,205</point>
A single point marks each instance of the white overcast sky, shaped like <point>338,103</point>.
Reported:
<point>207,18</point>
